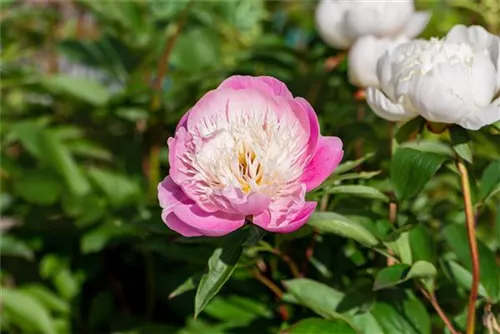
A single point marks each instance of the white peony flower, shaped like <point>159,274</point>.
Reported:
<point>340,23</point>
<point>363,57</point>
<point>453,80</point>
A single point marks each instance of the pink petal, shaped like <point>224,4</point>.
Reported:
<point>177,225</point>
<point>182,215</point>
<point>176,149</point>
<point>314,132</point>
<point>170,194</point>
<point>183,121</point>
<point>326,158</point>
<point>246,204</point>
<point>265,84</point>
<point>263,220</point>
<point>208,224</point>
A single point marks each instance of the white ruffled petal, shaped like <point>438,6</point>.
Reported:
<point>417,24</point>
<point>385,108</point>
<point>483,117</point>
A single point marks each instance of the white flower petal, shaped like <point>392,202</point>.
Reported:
<point>385,108</point>
<point>436,101</point>
<point>329,21</point>
<point>483,80</point>
<point>480,118</point>
<point>417,24</point>
<point>494,50</point>
<point>363,58</point>
<point>476,36</point>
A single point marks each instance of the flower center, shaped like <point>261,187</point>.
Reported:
<point>252,151</point>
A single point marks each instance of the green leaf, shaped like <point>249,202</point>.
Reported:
<point>329,222</point>
<point>190,284</point>
<point>237,310</point>
<point>497,223</point>
<point>367,323</point>
<point>390,276</point>
<point>359,191</point>
<point>430,146</point>
<point>88,149</point>
<point>399,312</point>
<point>399,273</point>
<point>456,237</point>
<point>490,178</point>
<point>461,142</point>
<point>351,164</point>
<point>85,89</point>
<point>58,155</point>
<point>28,310</point>
<point>319,297</point>
<point>461,277</point>
<point>403,248</point>
<point>47,298</point>
<point>421,269</point>
<point>220,268</point>
<point>353,176</point>
<point>193,57</point>
<point>12,246</point>
<point>97,238</point>
<point>422,246</point>
<point>411,127</point>
<point>28,133</point>
<point>320,326</point>
<point>119,189</point>
<point>412,169</point>
<point>39,187</point>
<point>67,283</point>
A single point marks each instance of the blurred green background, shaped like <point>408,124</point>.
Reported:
<point>90,93</point>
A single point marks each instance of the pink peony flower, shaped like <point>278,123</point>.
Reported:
<point>246,150</point>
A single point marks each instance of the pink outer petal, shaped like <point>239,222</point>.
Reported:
<point>209,224</point>
<point>264,219</point>
<point>170,194</point>
<point>314,132</point>
<point>326,158</point>
<point>178,225</point>
<point>176,149</point>
<point>265,84</point>
<point>182,215</point>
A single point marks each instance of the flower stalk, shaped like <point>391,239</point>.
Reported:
<point>471,236</point>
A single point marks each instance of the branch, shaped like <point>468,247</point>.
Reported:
<point>432,299</point>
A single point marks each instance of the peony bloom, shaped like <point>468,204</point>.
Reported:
<point>340,23</point>
<point>454,80</point>
<point>247,150</point>
<point>363,57</point>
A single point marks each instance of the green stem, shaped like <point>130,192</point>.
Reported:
<point>471,236</point>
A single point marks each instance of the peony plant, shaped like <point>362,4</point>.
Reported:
<point>247,151</point>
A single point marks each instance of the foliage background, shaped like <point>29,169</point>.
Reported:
<point>91,91</point>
